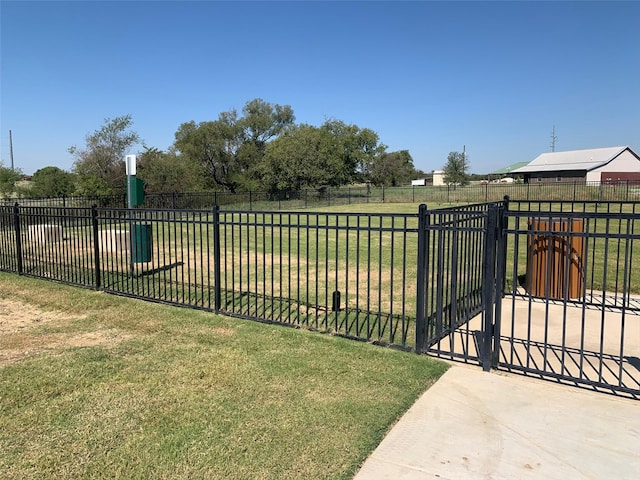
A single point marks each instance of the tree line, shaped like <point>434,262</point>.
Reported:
<point>259,148</point>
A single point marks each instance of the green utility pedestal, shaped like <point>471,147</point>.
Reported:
<point>142,241</point>
<point>137,191</point>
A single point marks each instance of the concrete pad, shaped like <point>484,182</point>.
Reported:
<point>593,344</point>
<point>477,425</point>
<point>598,345</point>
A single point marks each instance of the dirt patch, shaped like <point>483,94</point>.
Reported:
<point>20,338</point>
<point>17,316</point>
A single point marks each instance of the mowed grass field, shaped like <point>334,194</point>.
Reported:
<point>100,386</point>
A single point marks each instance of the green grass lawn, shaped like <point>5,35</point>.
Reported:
<point>100,386</point>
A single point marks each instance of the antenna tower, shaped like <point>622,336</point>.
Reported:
<point>553,139</point>
<point>11,149</point>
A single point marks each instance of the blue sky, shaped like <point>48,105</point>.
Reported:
<point>429,77</point>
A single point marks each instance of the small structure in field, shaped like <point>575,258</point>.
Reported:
<point>438,178</point>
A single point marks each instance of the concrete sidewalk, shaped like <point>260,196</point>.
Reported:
<point>477,425</point>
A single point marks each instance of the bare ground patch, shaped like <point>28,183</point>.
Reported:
<point>20,338</point>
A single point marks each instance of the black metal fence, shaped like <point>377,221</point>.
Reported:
<point>331,196</point>
<point>559,292</point>
<point>572,310</point>
<point>545,288</point>
<point>49,242</point>
<point>349,274</point>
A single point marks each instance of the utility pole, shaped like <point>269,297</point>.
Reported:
<point>553,139</point>
<point>11,149</point>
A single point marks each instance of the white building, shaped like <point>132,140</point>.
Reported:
<point>438,178</point>
<point>597,165</point>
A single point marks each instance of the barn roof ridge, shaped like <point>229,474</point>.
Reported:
<point>587,159</point>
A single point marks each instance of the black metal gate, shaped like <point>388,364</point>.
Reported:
<point>458,265</point>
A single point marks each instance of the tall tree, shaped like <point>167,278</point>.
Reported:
<point>456,169</point>
<point>231,148</point>
<point>100,165</point>
<point>168,172</point>
<point>263,121</point>
<point>214,146</point>
<point>305,156</point>
<point>392,169</point>
<point>301,158</point>
<point>52,182</point>
<point>355,148</point>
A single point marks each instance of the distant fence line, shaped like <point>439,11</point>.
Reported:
<point>326,197</point>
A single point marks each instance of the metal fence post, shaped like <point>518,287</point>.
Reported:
<point>96,246</point>
<point>216,259</point>
<point>501,275</point>
<point>489,286</point>
<point>16,224</point>
<point>421,274</point>
<point>502,232</point>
